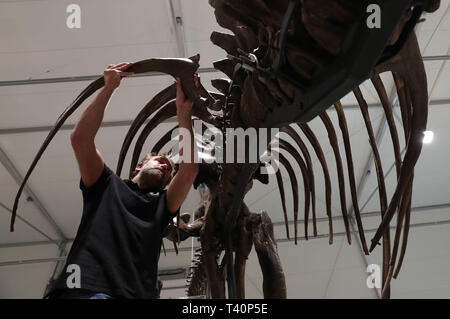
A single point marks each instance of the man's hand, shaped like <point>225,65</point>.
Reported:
<point>184,104</point>
<point>114,73</point>
<point>181,184</point>
<point>82,138</point>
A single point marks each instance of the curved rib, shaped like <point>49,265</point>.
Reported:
<point>155,103</point>
<point>294,185</point>
<point>406,200</point>
<point>163,140</point>
<point>283,200</point>
<point>166,112</point>
<point>405,107</point>
<point>415,80</point>
<point>326,174</point>
<point>333,141</point>
<point>182,68</point>
<point>293,134</point>
<point>405,231</point>
<point>379,86</point>
<point>380,178</point>
<point>223,85</point>
<point>288,147</point>
<point>351,172</point>
<point>160,99</point>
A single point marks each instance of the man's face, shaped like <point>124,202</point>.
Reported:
<point>155,173</point>
<point>161,164</point>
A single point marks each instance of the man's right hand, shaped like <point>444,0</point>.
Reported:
<point>82,138</point>
<point>114,73</point>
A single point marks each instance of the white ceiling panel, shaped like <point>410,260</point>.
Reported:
<point>37,44</point>
<point>19,105</point>
<point>442,88</point>
<point>109,33</point>
<point>27,210</point>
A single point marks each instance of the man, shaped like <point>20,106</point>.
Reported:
<point>116,250</point>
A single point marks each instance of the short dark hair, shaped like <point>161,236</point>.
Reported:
<point>147,157</point>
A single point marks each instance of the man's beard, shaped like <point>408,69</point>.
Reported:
<point>151,179</point>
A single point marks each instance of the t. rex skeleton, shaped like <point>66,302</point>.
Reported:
<point>296,58</point>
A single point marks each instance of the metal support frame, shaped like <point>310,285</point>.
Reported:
<point>12,170</point>
<point>176,16</point>
<point>31,225</point>
<point>69,127</point>
<point>33,243</point>
<point>83,78</point>
<point>58,267</point>
<point>276,224</point>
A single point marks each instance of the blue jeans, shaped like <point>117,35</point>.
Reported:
<point>78,294</point>
<point>100,296</point>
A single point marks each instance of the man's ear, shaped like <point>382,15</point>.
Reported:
<point>138,168</point>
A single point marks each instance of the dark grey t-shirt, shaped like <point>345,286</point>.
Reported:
<point>118,242</point>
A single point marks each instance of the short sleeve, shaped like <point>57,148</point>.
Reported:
<point>99,185</point>
<point>166,215</point>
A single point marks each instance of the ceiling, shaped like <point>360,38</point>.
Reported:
<point>37,45</point>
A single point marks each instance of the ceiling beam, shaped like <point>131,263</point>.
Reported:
<point>34,243</point>
<point>281,223</point>
<point>438,77</point>
<point>69,127</point>
<point>436,58</point>
<point>84,78</point>
<point>12,170</point>
<point>282,240</point>
<point>32,226</point>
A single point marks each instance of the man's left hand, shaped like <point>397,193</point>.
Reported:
<point>184,104</point>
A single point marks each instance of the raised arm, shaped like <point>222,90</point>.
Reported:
<point>82,137</point>
<point>181,183</point>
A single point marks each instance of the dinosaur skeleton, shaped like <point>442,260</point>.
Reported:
<point>287,62</point>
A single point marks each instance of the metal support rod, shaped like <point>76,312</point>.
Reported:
<point>94,77</point>
<point>377,187</point>
<point>379,137</point>
<point>436,58</point>
<point>84,78</point>
<point>231,276</point>
<point>369,162</point>
<point>282,240</point>
<point>275,224</point>
<point>12,170</point>
<point>177,22</point>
